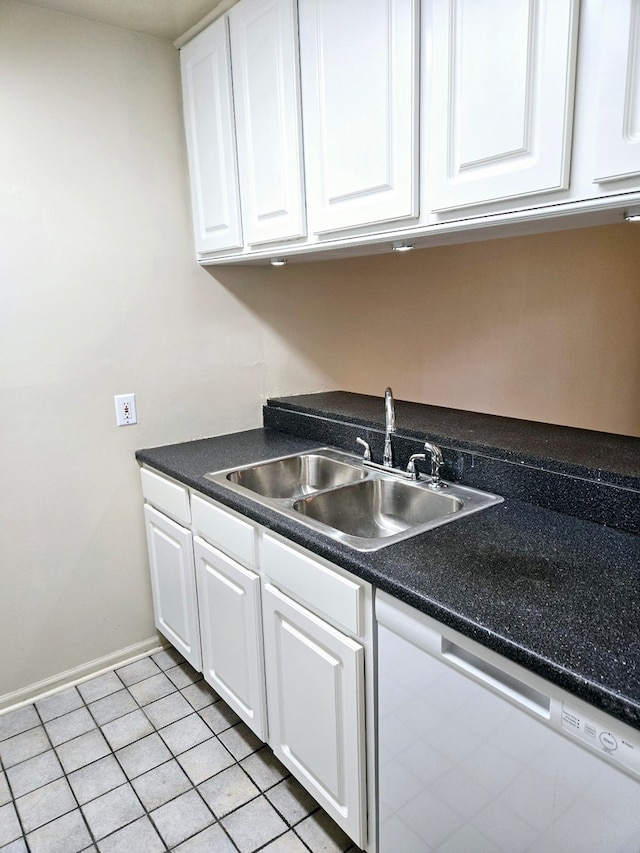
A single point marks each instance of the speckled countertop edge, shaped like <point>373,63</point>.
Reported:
<point>556,594</point>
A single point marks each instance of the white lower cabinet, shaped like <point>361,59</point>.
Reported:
<point>315,690</point>
<point>282,635</point>
<point>231,633</point>
<point>173,584</point>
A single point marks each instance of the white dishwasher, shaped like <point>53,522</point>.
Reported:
<point>478,755</point>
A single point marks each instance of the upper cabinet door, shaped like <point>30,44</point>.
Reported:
<point>211,144</point>
<point>501,99</point>
<point>266,84</point>
<point>618,98</point>
<point>359,67</point>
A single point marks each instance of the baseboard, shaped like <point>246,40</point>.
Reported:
<point>78,674</point>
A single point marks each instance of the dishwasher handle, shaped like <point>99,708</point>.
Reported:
<point>426,633</point>
<point>504,682</point>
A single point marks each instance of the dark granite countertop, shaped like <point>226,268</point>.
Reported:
<point>555,593</point>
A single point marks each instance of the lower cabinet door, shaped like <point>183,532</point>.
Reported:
<point>231,633</point>
<point>315,692</point>
<point>173,583</point>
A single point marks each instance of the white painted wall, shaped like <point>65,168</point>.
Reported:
<point>99,295</point>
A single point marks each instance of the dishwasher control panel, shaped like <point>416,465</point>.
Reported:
<point>617,746</point>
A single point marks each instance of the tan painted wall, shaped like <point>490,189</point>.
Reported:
<point>545,327</point>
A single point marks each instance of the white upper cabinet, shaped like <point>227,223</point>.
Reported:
<point>501,99</point>
<point>211,144</point>
<point>266,85</point>
<point>617,153</point>
<point>359,71</point>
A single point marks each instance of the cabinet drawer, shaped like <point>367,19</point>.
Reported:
<point>322,590</point>
<point>220,527</point>
<point>166,496</point>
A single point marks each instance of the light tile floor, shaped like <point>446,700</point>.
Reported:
<point>149,758</point>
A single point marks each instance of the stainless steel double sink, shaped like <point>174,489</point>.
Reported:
<point>333,493</point>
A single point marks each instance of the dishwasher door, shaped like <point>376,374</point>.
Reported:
<point>477,755</point>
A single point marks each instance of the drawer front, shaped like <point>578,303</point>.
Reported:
<point>227,531</point>
<point>316,586</point>
<point>166,496</point>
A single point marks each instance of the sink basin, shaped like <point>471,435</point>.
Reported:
<point>296,476</point>
<point>377,508</point>
<point>332,492</point>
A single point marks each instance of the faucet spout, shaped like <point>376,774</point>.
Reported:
<point>390,427</point>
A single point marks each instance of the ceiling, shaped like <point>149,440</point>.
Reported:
<point>166,19</point>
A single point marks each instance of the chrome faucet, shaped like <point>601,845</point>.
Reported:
<point>390,427</point>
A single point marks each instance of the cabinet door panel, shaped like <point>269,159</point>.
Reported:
<point>501,99</point>
<point>266,79</point>
<point>173,584</point>
<point>359,85</point>
<point>618,140</point>
<point>315,678</point>
<point>231,633</point>
<point>211,143</point>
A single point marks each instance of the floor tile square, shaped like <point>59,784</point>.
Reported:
<point>181,818</point>
<point>138,671</point>
<point>212,840</point>
<point>9,824</point>
<point>205,760</point>
<point>127,729</point>
<point>291,800</point>
<point>228,790</point>
<point>82,750</point>
<point>185,733</point>
<point>219,717</point>
<point>254,825</point>
<point>20,747</point>
<point>183,675</point>
<point>112,811</point>
<point>240,741</point>
<point>31,774</point>
<point>96,779</point>
<point>200,694</point>
<point>138,837</point>
<point>142,755</point>
<point>59,703</point>
<point>67,834</point>
<point>111,707</point>
<point>18,721</point>
<point>152,688</point>
<point>264,768</point>
<point>168,710</point>
<point>69,726</point>
<point>319,832</point>
<point>45,804</point>
<point>100,687</point>
<point>156,787</point>
<point>167,658</point>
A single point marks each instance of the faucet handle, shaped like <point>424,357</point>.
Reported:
<point>411,465</point>
<point>367,450</point>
